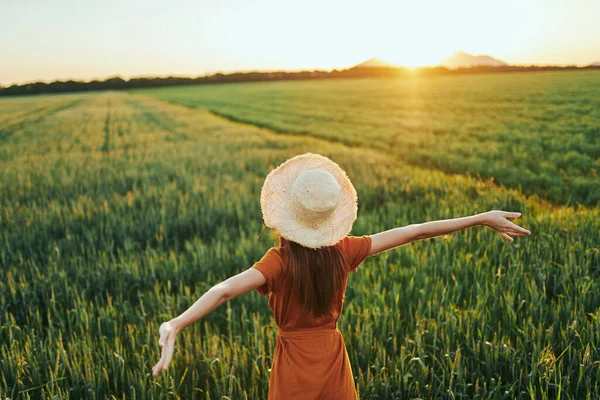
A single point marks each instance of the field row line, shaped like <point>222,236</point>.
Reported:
<point>34,117</point>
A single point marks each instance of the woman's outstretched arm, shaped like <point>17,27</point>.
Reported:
<point>398,236</point>
<point>214,297</point>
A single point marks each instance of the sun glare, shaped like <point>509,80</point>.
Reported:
<point>413,34</point>
<point>415,59</point>
<point>280,36</point>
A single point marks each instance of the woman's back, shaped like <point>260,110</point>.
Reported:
<point>310,359</point>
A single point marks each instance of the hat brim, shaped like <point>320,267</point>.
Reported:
<point>276,203</point>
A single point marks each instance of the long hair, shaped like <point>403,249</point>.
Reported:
<point>317,274</point>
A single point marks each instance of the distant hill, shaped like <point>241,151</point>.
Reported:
<point>375,63</point>
<point>595,64</point>
<point>460,59</point>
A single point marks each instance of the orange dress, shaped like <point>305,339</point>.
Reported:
<point>310,359</point>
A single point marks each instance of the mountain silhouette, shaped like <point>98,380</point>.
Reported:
<point>375,63</point>
<point>460,59</point>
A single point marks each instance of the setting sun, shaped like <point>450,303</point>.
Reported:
<point>198,38</point>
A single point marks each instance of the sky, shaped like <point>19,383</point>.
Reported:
<point>43,40</point>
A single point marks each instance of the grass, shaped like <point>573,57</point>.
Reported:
<point>538,133</point>
<point>120,210</point>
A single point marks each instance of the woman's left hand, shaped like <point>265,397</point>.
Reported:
<point>167,341</point>
<point>496,219</point>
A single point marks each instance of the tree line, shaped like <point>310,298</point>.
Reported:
<point>118,83</point>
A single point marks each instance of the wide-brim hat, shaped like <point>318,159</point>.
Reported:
<point>310,200</point>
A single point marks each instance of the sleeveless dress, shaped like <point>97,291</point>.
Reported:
<point>310,360</point>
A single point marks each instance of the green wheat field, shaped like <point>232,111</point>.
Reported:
<point>119,209</point>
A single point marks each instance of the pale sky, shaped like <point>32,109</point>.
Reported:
<point>68,39</point>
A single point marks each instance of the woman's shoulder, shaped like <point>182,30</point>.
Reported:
<point>275,252</point>
<point>349,241</point>
<point>271,266</point>
<point>356,249</point>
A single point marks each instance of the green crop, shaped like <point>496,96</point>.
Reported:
<point>539,133</point>
<point>119,210</point>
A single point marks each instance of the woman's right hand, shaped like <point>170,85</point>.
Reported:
<point>167,333</point>
<point>496,220</point>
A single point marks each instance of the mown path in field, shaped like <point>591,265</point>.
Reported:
<point>119,211</point>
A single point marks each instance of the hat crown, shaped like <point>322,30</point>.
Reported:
<point>316,190</point>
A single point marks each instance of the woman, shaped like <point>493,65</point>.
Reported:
<point>311,204</point>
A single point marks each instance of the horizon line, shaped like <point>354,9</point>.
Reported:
<point>259,70</point>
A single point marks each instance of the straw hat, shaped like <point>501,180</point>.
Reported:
<point>309,200</point>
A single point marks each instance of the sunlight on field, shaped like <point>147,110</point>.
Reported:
<point>119,210</point>
<point>536,132</point>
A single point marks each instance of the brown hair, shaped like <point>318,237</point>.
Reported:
<point>317,274</point>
